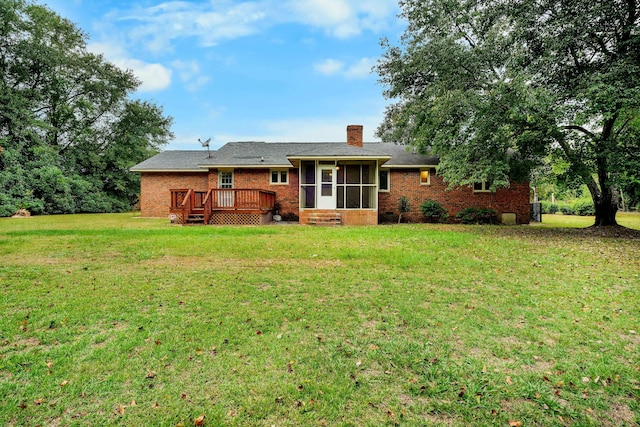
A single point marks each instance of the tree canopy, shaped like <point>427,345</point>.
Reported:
<point>69,131</point>
<point>495,86</point>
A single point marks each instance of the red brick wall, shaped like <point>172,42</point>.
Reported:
<point>406,182</point>
<point>155,197</point>
<point>286,194</point>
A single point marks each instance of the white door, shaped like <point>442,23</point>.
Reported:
<point>226,199</point>
<point>327,189</point>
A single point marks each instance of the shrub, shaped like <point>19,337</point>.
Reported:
<point>434,210</point>
<point>403,207</point>
<point>584,207</point>
<point>548,207</point>
<point>477,216</point>
<point>567,210</point>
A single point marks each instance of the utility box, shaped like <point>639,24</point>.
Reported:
<point>535,210</point>
<point>508,218</point>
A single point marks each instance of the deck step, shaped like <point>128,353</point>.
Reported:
<point>195,219</point>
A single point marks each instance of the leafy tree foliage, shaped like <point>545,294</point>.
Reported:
<point>495,86</point>
<point>68,131</point>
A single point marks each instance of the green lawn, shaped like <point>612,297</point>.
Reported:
<point>118,320</point>
<point>627,219</point>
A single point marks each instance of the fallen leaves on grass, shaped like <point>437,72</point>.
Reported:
<point>199,421</point>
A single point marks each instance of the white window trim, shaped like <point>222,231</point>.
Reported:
<point>428,170</point>
<point>230,171</point>
<point>484,189</point>
<point>388,189</point>
<point>271,171</point>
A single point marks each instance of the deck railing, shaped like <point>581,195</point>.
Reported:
<point>220,199</point>
<point>241,199</point>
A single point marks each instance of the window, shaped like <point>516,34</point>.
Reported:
<point>308,184</point>
<point>225,179</point>
<point>383,178</point>
<point>481,187</point>
<point>279,176</point>
<point>425,176</point>
<point>356,186</point>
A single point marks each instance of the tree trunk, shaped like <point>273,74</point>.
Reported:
<point>606,208</point>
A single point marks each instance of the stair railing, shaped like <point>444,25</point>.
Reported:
<point>207,204</point>
<point>187,205</point>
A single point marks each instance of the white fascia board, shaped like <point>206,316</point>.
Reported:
<point>167,170</point>
<point>407,166</point>
<point>340,157</point>
<point>256,166</point>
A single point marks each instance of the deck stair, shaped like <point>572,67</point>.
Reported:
<point>195,218</point>
<point>324,218</point>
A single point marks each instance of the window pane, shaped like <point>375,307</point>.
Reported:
<point>274,177</point>
<point>353,197</point>
<point>477,186</point>
<point>283,177</point>
<point>384,180</point>
<point>369,197</point>
<point>368,176</point>
<point>308,173</point>
<point>226,179</point>
<point>340,169</point>
<point>424,177</point>
<point>340,203</point>
<point>353,174</point>
<point>308,197</point>
<point>326,175</point>
<point>327,189</point>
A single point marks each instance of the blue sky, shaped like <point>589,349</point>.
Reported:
<point>265,70</point>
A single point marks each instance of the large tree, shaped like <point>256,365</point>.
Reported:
<point>494,86</point>
<point>68,129</point>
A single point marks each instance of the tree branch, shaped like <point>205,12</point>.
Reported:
<point>581,169</point>
<point>624,125</point>
<point>580,129</point>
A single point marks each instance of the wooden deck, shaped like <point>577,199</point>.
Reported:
<point>222,206</point>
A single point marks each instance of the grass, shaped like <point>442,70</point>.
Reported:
<point>118,320</point>
<point>626,219</point>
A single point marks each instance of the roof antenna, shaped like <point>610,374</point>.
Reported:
<point>206,144</point>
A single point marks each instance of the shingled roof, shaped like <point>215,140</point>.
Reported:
<point>173,161</point>
<point>252,154</point>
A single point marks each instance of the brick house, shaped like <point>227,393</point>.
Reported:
<point>352,183</point>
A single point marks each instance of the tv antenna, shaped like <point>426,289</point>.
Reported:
<point>206,144</point>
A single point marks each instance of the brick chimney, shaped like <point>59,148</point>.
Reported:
<point>354,135</point>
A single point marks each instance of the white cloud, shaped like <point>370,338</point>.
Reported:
<point>344,18</point>
<point>329,66</point>
<point>190,75</point>
<point>153,77</point>
<point>358,70</point>
<point>158,26</point>
<point>361,69</point>
<point>210,23</point>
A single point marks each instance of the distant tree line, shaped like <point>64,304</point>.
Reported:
<point>68,129</point>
